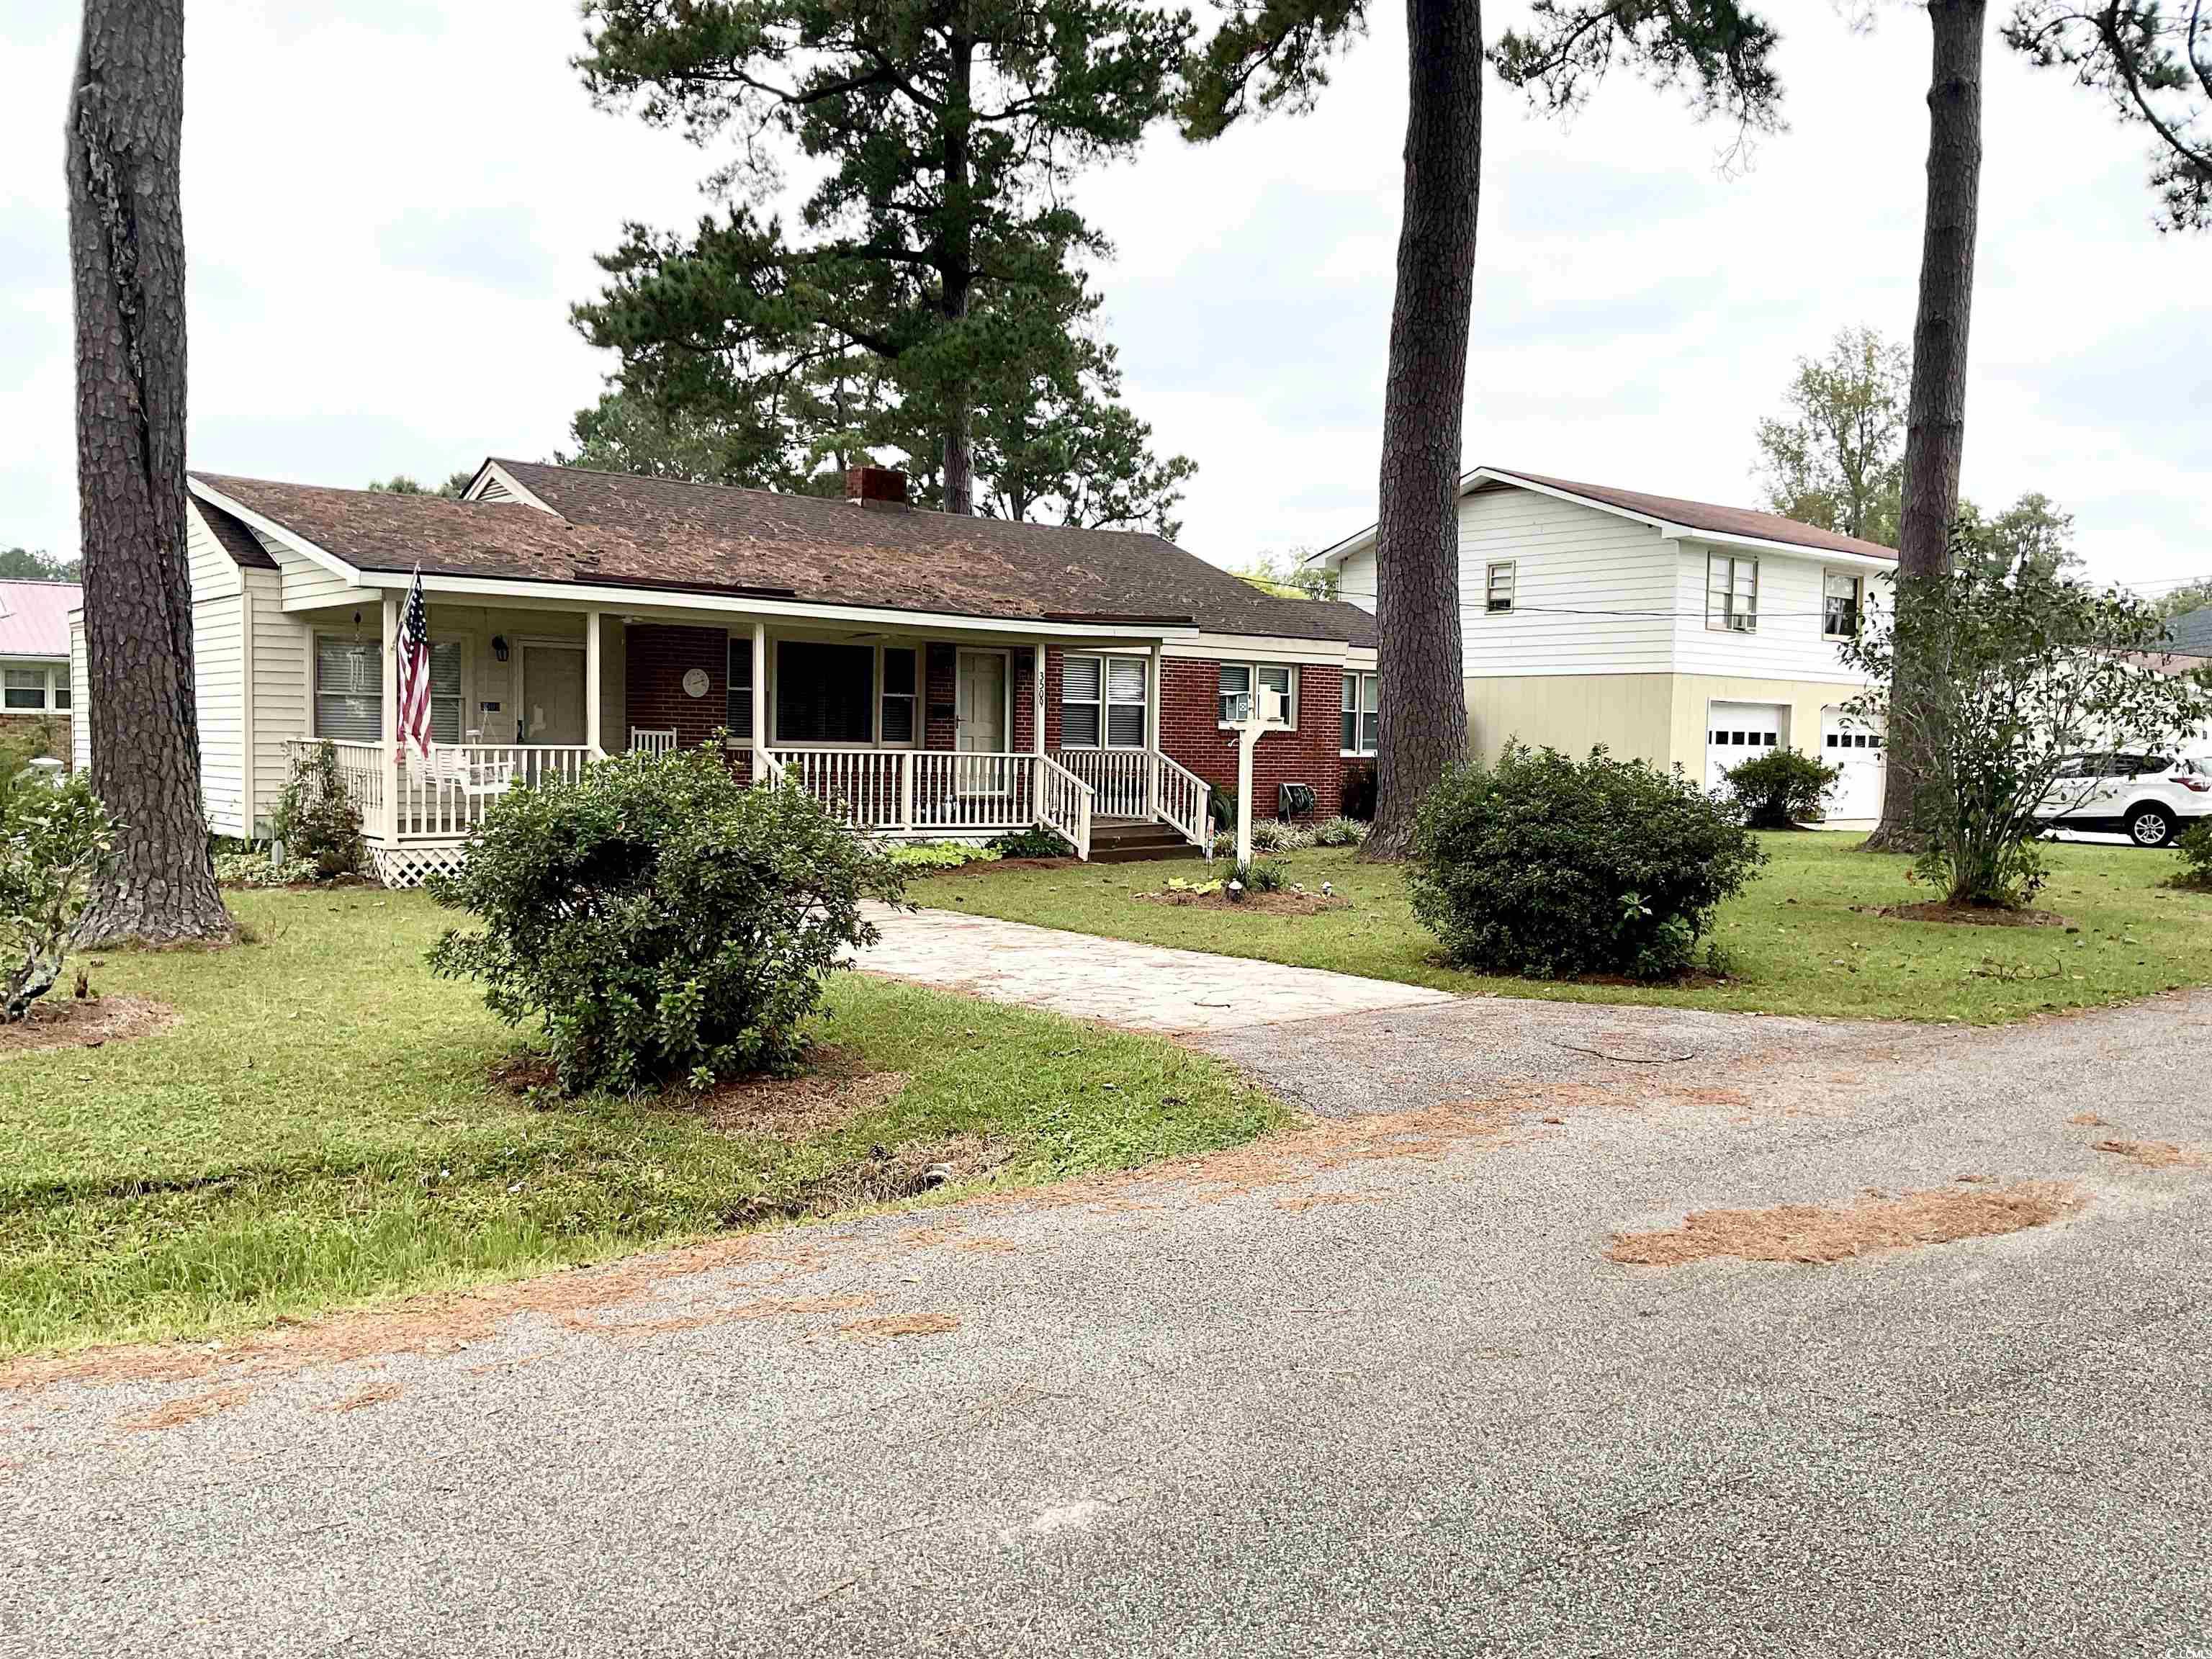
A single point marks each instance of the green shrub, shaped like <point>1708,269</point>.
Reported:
<point>1222,804</point>
<point>1546,866</point>
<point>940,854</point>
<point>2196,849</point>
<point>250,868</point>
<point>1034,842</point>
<point>316,819</point>
<point>659,921</point>
<point>1340,832</point>
<point>1359,786</point>
<point>53,840</point>
<point>1261,875</point>
<point>1782,788</point>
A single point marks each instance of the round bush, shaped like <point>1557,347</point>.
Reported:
<point>1782,788</point>
<point>659,921</point>
<point>1550,867</point>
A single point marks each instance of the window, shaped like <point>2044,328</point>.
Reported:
<point>1498,590</point>
<point>444,691</point>
<point>899,687</point>
<point>1363,719</point>
<point>1839,606</point>
<point>824,693</point>
<point>1104,695</point>
<point>61,688</point>
<point>349,688</point>
<point>1731,593</point>
<point>738,698</point>
<point>24,688</point>
<point>1239,681</point>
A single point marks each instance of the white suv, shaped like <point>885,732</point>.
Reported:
<point>2149,799</point>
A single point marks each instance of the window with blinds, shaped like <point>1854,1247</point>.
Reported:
<point>900,685</point>
<point>1102,703</point>
<point>1241,680</point>
<point>23,688</point>
<point>1363,718</point>
<point>349,688</point>
<point>738,702</point>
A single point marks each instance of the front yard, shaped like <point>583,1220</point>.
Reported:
<point>318,1127</point>
<point>1803,939</point>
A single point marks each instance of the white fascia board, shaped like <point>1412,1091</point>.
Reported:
<point>268,527</point>
<point>1795,550</point>
<point>1258,647</point>
<point>587,596</point>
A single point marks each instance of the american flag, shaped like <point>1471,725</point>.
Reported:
<point>413,647</point>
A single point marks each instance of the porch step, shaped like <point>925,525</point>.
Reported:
<point>1131,841</point>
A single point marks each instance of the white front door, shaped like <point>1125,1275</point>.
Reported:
<point>1738,732</point>
<point>979,700</point>
<point>552,694</point>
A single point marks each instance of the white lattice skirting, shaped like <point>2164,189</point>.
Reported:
<point>407,866</point>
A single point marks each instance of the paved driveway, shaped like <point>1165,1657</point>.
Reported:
<point>1376,1390</point>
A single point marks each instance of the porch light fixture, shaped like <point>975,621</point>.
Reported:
<point>499,647</point>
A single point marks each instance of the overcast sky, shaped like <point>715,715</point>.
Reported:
<point>389,209</point>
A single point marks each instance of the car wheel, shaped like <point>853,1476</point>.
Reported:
<point>2151,826</point>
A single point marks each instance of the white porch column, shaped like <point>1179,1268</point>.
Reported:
<point>1152,731</point>
<point>591,653</point>
<point>1036,696</point>
<point>389,681</point>
<point>760,701</point>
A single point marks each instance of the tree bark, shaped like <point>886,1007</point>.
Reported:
<point>1935,421</point>
<point>959,272</point>
<point>127,258</point>
<point>1417,534</point>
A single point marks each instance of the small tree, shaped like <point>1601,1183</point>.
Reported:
<point>316,819</point>
<point>2022,674</point>
<point>1782,788</point>
<point>53,840</point>
<point>659,921</point>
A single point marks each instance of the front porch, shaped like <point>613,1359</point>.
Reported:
<point>902,735</point>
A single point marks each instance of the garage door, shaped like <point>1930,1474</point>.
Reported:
<point>1738,732</point>
<point>1857,748</point>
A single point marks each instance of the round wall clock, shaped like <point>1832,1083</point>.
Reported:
<point>695,681</point>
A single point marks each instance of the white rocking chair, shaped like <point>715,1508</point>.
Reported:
<point>453,766</point>
<point>652,739</point>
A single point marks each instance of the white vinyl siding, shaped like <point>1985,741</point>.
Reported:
<point>80,699</point>
<point>1590,590</point>
<point>218,638</point>
<point>1787,645</point>
<point>278,678</point>
<point>214,572</point>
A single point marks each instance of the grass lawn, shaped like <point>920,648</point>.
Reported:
<point>1797,943</point>
<point>316,1129</point>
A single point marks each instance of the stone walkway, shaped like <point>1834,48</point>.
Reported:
<point>1144,987</point>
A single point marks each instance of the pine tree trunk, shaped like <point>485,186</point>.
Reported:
<point>1936,422</point>
<point>959,274</point>
<point>127,254</point>
<point>1416,535</point>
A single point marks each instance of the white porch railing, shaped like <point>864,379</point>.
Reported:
<point>1143,783</point>
<point>445,797</point>
<point>939,792</point>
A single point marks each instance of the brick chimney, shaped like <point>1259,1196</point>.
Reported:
<point>875,486</point>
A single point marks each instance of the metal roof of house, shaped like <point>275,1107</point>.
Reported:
<point>34,617</point>
<point>608,528</point>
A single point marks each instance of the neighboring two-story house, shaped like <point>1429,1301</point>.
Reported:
<point>1677,631</point>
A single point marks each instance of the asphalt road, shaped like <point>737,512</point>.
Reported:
<point>1379,1392</point>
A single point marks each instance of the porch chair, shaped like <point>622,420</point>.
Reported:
<point>652,739</point>
<point>454,766</point>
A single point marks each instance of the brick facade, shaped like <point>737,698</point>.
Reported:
<point>1191,734</point>
<point>51,729</point>
<point>657,656</point>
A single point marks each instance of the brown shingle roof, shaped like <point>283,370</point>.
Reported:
<point>1705,515</point>
<point>612,529</point>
